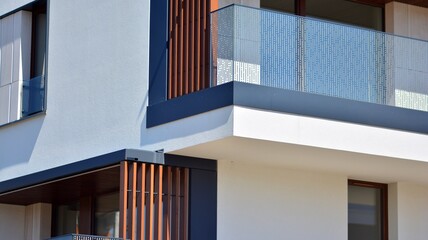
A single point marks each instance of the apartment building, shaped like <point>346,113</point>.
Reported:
<point>214,119</point>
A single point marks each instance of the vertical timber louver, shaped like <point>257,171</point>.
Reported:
<point>189,50</point>
<point>154,202</point>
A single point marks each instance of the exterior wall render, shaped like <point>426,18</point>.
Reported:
<point>97,80</point>
<point>262,202</point>
<point>12,221</point>
<point>38,221</point>
<point>7,6</point>
<point>412,211</point>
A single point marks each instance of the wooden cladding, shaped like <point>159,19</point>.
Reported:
<point>153,202</point>
<point>189,50</point>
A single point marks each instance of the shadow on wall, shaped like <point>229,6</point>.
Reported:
<point>151,137</point>
<point>17,141</point>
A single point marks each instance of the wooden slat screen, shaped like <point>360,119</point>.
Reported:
<point>189,48</point>
<point>144,213</point>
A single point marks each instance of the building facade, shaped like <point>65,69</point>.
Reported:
<point>188,119</point>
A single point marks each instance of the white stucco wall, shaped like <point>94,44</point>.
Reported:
<point>8,5</point>
<point>97,87</point>
<point>262,202</point>
<point>412,211</point>
<point>12,222</point>
<point>38,218</point>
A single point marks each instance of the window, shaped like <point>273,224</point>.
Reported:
<point>343,11</point>
<point>91,214</point>
<point>367,211</point>
<point>22,62</point>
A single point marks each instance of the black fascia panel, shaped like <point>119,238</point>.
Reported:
<point>189,105</point>
<point>287,101</point>
<point>82,166</point>
<point>190,162</point>
<point>326,107</point>
<point>158,51</point>
<point>203,205</point>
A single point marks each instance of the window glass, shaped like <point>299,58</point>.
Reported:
<point>39,43</point>
<point>67,219</point>
<point>107,215</point>
<point>364,213</point>
<point>278,5</point>
<point>346,12</point>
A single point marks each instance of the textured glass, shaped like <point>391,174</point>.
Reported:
<point>33,96</point>
<point>305,54</point>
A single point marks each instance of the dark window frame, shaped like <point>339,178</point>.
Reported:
<point>383,201</point>
<point>39,7</point>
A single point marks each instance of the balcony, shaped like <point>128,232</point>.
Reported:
<point>275,61</point>
<point>303,54</point>
<point>83,237</point>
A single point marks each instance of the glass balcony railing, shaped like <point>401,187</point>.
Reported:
<point>83,237</point>
<point>33,96</point>
<point>320,57</point>
<point>21,99</point>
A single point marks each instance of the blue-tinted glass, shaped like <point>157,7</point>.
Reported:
<point>33,96</point>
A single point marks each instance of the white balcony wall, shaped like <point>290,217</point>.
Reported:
<point>15,57</point>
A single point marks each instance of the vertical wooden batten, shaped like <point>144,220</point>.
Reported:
<point>150,204</point>
<point>141,200</point>
<point>189,37</point>
<point>168,191</point>
<point>132,200</point>
<point>153,202</point>
<point>160,202</point>
<point>123,198</point>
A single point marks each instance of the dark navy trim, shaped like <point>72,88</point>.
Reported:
<point>189,105</point>
<point>190,162</point>
<point>86,165</point>
<point>202,205</point>
<point>158,64</point>
<point>287,101</point>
